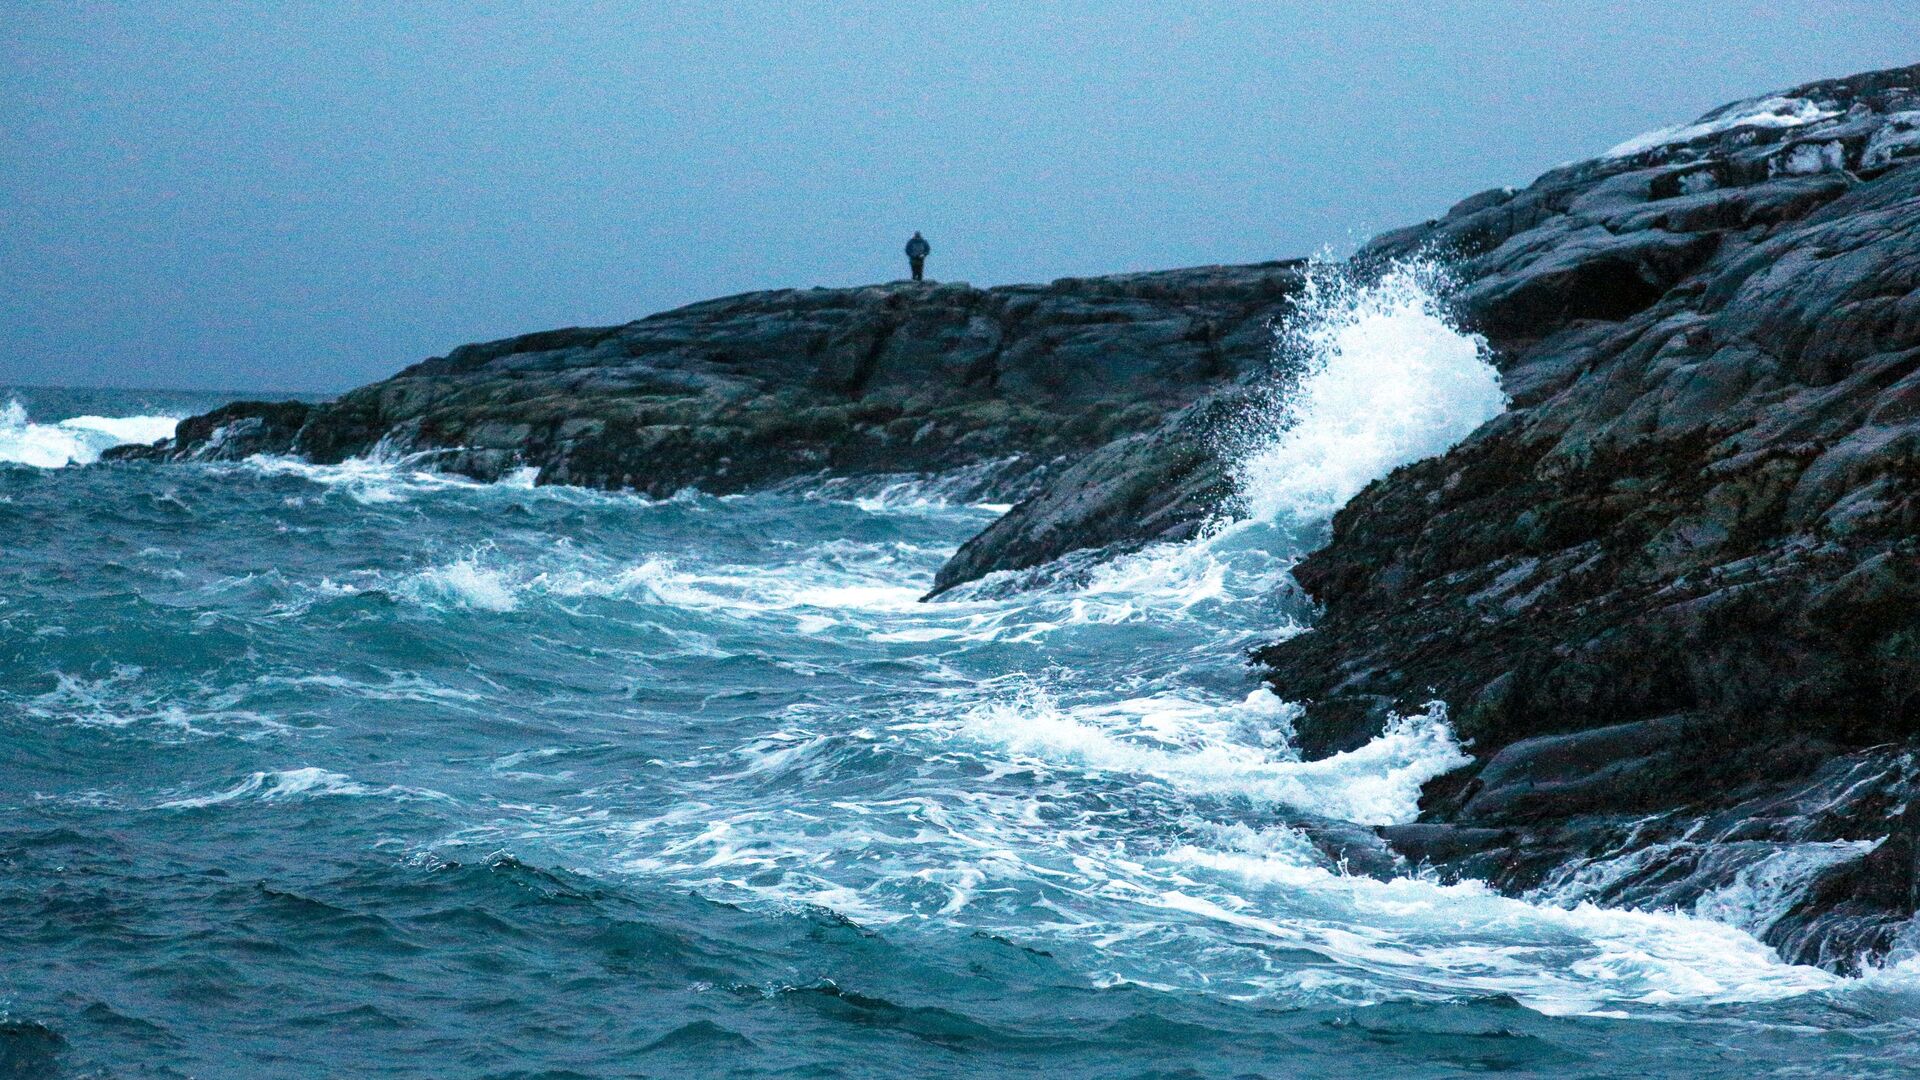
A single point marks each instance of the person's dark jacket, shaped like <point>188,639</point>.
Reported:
<point>918,248</point>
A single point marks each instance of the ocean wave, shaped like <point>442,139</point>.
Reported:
<point>126,698</point>
<point>382,478</point>
<point>1240,751</point>
<point>968,489</point>
<point>484,580</point>
<point>77,440</point>
<point>309,782</point>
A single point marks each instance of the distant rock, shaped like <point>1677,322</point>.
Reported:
<point>228,433</point>
<point>752,390</point>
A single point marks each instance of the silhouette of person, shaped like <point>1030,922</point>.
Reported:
<point>917,251</point>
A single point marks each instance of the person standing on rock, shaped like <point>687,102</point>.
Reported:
<point>917,251</point>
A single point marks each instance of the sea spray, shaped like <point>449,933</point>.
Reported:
<point>77,440</point>
<point>1385,377</point>
<point>1371,372</point>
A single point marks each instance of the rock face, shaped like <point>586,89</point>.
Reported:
<point>1672,596</point>
<point>751,390</point>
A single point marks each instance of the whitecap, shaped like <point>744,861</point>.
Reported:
<point>77,440</point>
<point>1204,749</point>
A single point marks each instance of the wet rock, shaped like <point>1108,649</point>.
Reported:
<point>1354,849</point>
<point>1159,486</point>
<point>228,433</point>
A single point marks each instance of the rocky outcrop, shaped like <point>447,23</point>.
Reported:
<point>1672,596</point>
<point>232,432</point>
<point>751,390</point>
<point>1157,486</point>
<point>1583,248</point>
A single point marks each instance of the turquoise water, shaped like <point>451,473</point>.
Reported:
<point>360,771</point>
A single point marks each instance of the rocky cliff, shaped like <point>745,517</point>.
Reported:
<point>751,390</point>
<point>1672,596</point>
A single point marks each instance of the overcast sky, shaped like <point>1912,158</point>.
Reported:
<point>283,196</point>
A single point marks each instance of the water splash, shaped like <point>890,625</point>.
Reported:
<point>77,440</point>
<point>1386,378</point>
<point>1240,751</point>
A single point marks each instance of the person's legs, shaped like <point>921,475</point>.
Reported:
<point>919,267</point>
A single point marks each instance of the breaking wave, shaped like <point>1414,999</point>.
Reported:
<point>1385,379</point>
<point>77,440</point>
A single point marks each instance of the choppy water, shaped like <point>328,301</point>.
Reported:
<point>363,771</point>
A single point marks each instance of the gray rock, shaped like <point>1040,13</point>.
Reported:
<point>228,433</point>
<point>1157,486</point>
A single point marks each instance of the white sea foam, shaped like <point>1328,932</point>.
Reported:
<point>302,783</point>
<point>77,440</point>
<point>914,493</point>
<point>1467,939</point>
<point>126,698</point>
<point>366,480</point>
<point>1761,893</point>
<point>1237,751</point>
<point>465,583</point>
<point>385,477</point>
<point>814,594</point>
<point>1124,836</point>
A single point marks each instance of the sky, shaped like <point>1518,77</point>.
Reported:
<point>306,197</point>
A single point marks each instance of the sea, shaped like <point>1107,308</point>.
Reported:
<point>362,770</point>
